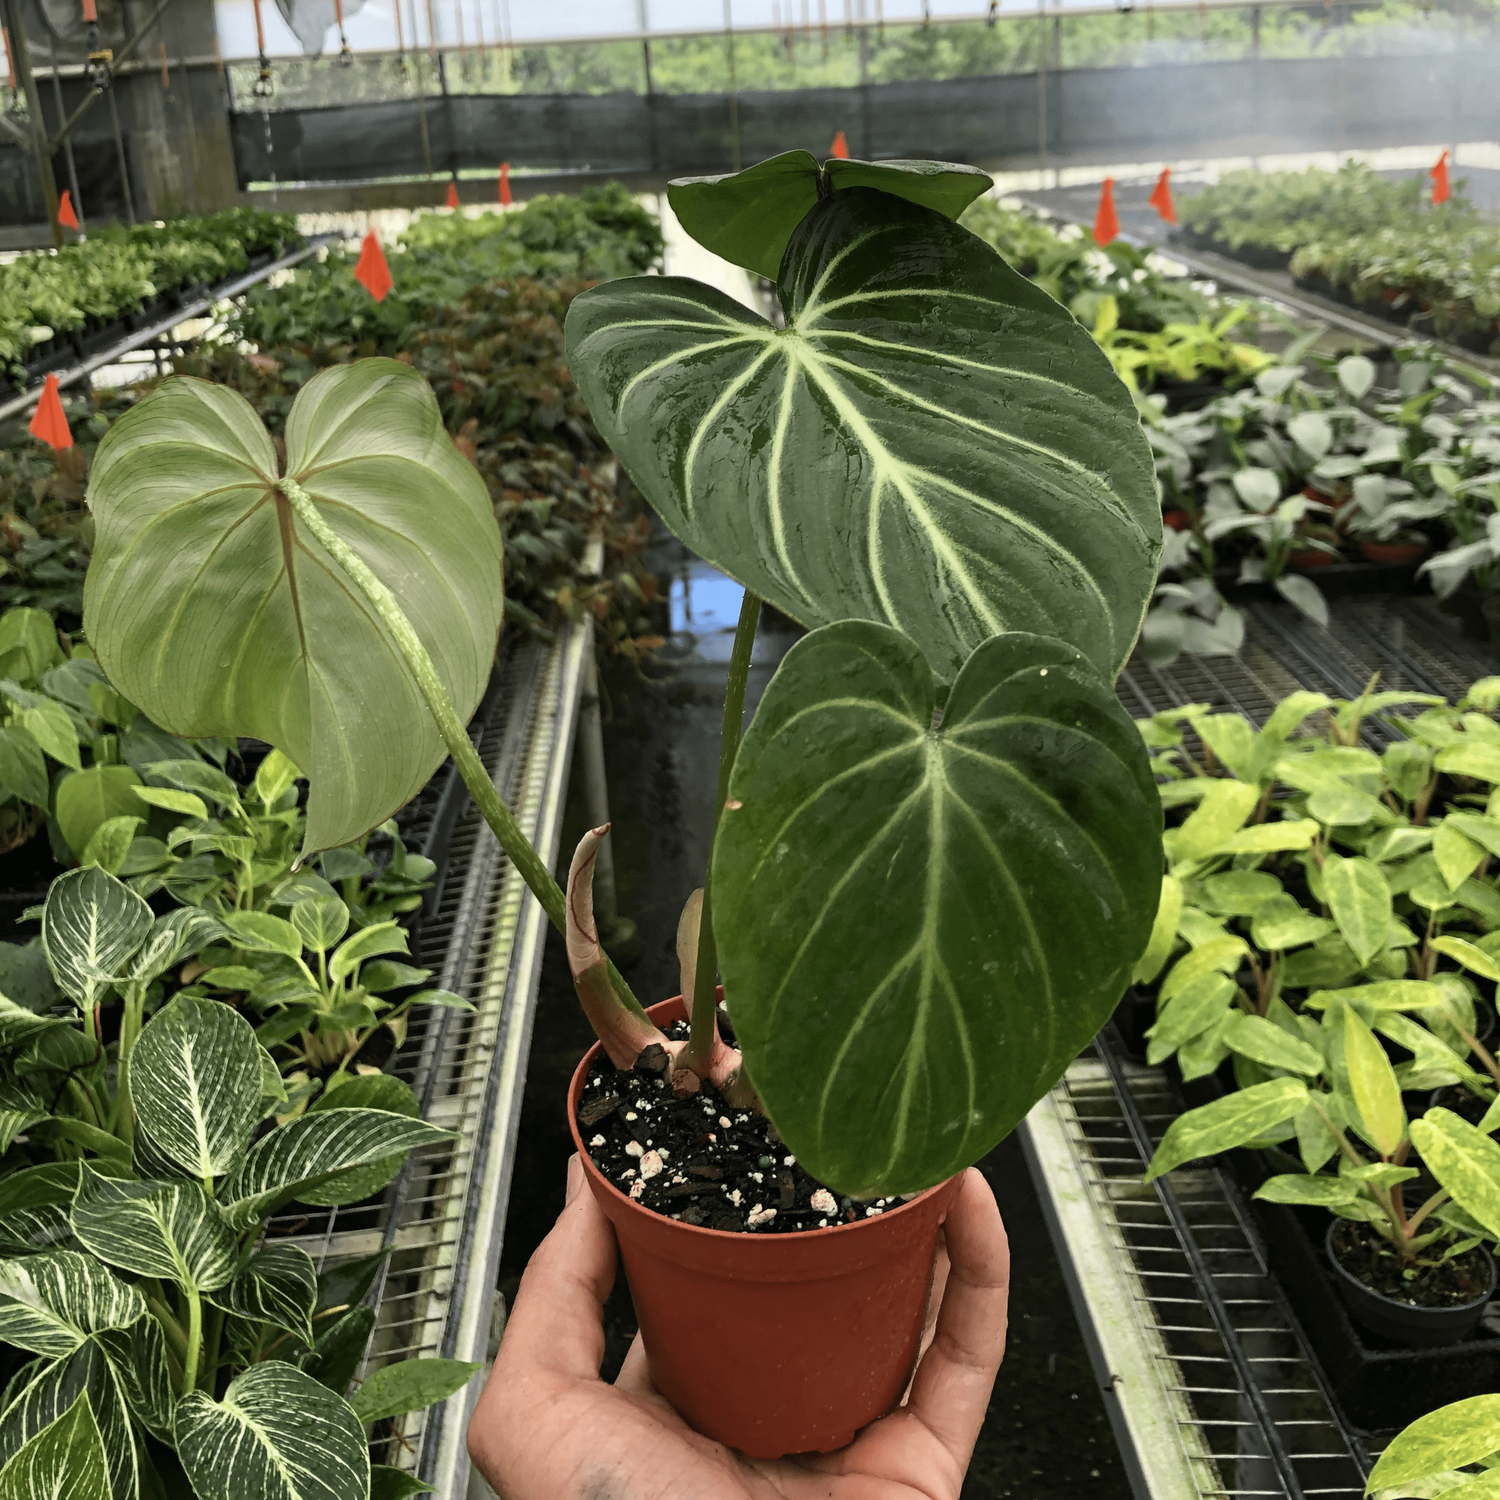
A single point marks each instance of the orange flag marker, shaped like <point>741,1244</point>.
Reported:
<point>372,273</point>
<point>1439,175</point>
<point>840,147</point>
<point>505,184</point>
<point>452,195</point>
<point>49,424</point>
<point>1106,221</point>
<point>1161,196</point>
<point>65,214</point>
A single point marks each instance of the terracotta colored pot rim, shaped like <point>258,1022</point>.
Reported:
<point>667,1011</point>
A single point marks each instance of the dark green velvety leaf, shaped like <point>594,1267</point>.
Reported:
<point>931,443</point>
<point>748,217</point>
<point>387,1483</point>
<point>950,913</point>
<point>216,621</point>
<point>346,1283</point>
<point>277,1434</point>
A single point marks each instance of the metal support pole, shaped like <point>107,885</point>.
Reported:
<point>20,56</point>
<point>1041,86</point>
<point>643,23</point>
<point>114,115</point>
<point>734,100</point>
<point>57,96</point>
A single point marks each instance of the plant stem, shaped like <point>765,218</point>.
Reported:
<point>704,1027</point>
<point>213,1335</point>
<point>1437,1200</point>
<point>122,1117</point>
<point>528,862</point>
<point>194,1339</point>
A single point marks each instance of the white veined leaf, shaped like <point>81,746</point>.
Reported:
<point>49,1304</point>
<point>49,1388</point>
<point>174,1230</point>
<point>277,1435</point>
<point>138,1358</point>
<point>64,1461</point>
<point>278,1285</point>
<point>179,933</point>
<point>91,925</point>
<point>195,1081</point>
<point>945,451</point>
<point>303,1158</point>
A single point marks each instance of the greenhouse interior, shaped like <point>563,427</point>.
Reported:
<point>995,504</point>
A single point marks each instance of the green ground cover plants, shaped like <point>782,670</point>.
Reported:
<point>1330,927</point>
<point>120,270</point>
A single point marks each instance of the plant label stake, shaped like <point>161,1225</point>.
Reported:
<point>840,147</point>
<point>50,424</point>
<point>505,198</point>
<point>1439,175</point>
<point>452,199</point>
<point>1106,220</point>
<point>371,271</point>
<point>65,214</point>
<point>1161,196</point>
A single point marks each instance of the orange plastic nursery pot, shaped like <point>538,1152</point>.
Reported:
<point>774,1343</point>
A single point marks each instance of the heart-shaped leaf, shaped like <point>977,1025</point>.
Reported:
<point>748,217</point>
<point>948,913</point>
<point>277,1432</point>
<point>217,612</point>
<point>49,1304</point>
<point>930,443</point>
<point>91,924</point>
<point>195,1081</point>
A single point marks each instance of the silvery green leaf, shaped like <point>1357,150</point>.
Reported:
<point>278,1285</point>
<point>320,921</point>
<point>195,1082</point>
<point>1260,489</point>
<point>91,925</point>
<point>276,1435</point>
<point>50,1389</point>
<point>51,1303</point>
<point>1312,433</point>
<point>1370,494</point>
<point>1356,374</point>
<point>303,1158</point>
<point>931,442</point>
<point>1002,872</point>
<point>174,1230</point>
<point>217,612</point>
<point>1305,594</point>
<point>64,1461</point>
<point>138,1358</point>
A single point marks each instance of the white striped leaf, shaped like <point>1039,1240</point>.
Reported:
<point>218,613</point>
<point>748,217</point>
<point>20,1108</point>
<point>276,1435</point>
<point>91,924</point>
<point>931,443</point>
<point>51,1303</point>
<point>174,936</point>
<point>62,1462</point>
<point>50,1389</point>
<point>34,1207</point>
<point>949,914</point>
<point>278,1285</point>
<point>172,1230</point>
<point>195,1081</point>
<point>138,1357</point>
<point>304,1159</point>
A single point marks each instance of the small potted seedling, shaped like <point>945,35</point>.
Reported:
<point>936,849</point>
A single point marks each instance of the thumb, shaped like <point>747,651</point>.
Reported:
<point>575,1178</point>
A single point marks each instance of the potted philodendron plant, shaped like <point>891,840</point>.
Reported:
<point>935,857</point>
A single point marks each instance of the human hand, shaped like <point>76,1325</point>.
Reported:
<point>547,1427</point>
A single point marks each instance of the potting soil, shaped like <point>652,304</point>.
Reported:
<point>697,1159</point>
<point>1369,1258</point>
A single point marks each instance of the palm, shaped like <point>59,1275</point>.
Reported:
<point>547,1428</point>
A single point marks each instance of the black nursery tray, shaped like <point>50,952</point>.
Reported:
<point>1338,580</point>
<point>1380,1386</point>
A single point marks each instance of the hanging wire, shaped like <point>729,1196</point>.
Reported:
<point>346,57</point>
<point>265,84</point>
<point>993,15</point>
<point>401,67</point>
